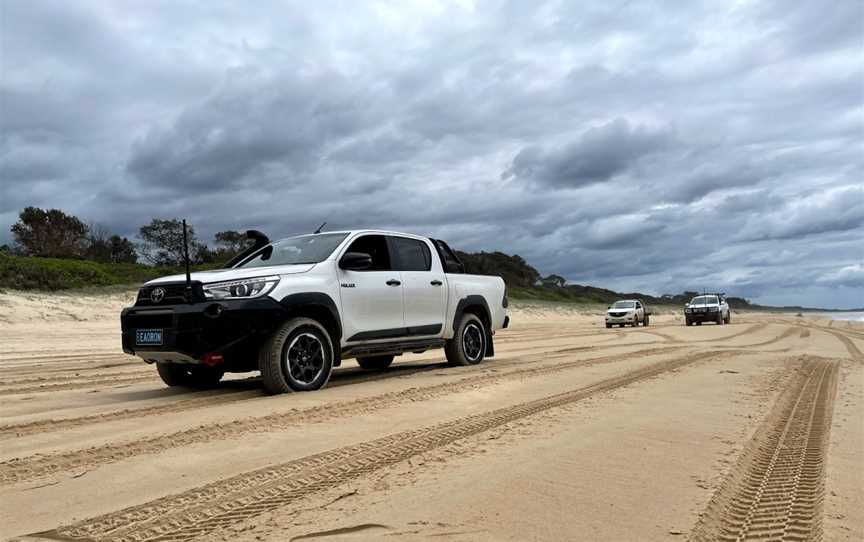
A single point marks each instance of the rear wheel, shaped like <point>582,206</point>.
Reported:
<point>191,376</point>
<point>468,345</point>
<point>298,356</point>
<point>375,363</point>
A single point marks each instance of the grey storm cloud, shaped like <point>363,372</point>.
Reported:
<point>648,146</point>
<point>598,155</point>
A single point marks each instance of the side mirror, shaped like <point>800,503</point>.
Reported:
<point>355,261</point>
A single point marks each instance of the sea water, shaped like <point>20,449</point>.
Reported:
<point>846,316</point>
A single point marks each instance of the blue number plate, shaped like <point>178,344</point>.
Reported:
<point>148,337</point>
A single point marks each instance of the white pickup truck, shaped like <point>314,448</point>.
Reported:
<point>628,312</point>
<point>295,308</point>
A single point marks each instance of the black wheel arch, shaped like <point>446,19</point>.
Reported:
<point>476,305</point>
<point>320,307</point>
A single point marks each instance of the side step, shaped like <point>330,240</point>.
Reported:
<point>380,349</point>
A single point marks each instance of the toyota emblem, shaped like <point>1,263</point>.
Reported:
<point>157,295</point>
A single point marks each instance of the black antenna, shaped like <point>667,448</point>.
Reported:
<point>186,261</point>
<point>319,228</point>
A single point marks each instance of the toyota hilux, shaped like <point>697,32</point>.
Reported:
<point>294,309</point>
<point>707,308</point>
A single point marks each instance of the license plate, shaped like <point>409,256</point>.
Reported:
<point>148,337</point>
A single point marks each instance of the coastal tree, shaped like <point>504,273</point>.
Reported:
<point>50,233</point>
<point>162,243</point>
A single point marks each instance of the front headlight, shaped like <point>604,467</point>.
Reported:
<point>687,310</point>
<point>240,289</point>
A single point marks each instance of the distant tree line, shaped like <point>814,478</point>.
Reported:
<point>52,233</point>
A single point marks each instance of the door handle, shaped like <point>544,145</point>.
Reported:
<point>393,282</point>
<point>436,283</point>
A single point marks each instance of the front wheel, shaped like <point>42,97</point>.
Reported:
<point>468,345</point>
<point>375,363</point>
<point>190,376</point>
<point>645,321</point>
<point>298,356</point>
<point>729,317</point>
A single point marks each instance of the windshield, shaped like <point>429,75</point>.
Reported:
<point>295,250</point>
<point>704,300</point>
<point>624,305</point>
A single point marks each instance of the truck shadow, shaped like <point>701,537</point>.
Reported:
<point>251,386</point>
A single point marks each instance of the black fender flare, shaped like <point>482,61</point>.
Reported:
<point>476,301</point>
<point>295,303</point>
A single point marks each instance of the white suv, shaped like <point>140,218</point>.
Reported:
<point>707,308</point>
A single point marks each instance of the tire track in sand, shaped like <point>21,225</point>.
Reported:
<point>40,465</point>
<point>97,381</point>
<point>195,513</point>
<point>850,345</point>
<point>776,488</point>
<point>530,355</point>
<point>669,338</point>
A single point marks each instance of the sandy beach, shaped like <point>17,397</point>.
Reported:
<point>572,432</point>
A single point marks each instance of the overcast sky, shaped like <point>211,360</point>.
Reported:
<point>651,146</point>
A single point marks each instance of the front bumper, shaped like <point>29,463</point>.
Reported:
<point>619,319</point>
<point>701,316</point>
<point>190,331</point>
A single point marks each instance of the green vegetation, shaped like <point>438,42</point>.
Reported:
<point>33,273</point>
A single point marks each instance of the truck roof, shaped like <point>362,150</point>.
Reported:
<point>350,232</point>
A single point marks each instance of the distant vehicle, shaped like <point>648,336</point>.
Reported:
<point>294,309</point>
<point>628,312</point>
<point>707,308</point>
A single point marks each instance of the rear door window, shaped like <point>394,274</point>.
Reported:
<point>411,254</point>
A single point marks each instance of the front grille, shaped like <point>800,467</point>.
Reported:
<point>175,293</point>
<point>617,314</point>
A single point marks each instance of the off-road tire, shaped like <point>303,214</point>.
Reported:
<point>635,321</point>
<point>729,317</point>
<point>375,363</point>
<point>720,320</point>
<point>455,348</point>
<point>189,376</point>
<point>646,320</point>
<point>608,326</point>
<point>698,323</point>
<point>688,322</point>
<point>273,357</point>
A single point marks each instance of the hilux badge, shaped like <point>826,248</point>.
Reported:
<point>157,295</point>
